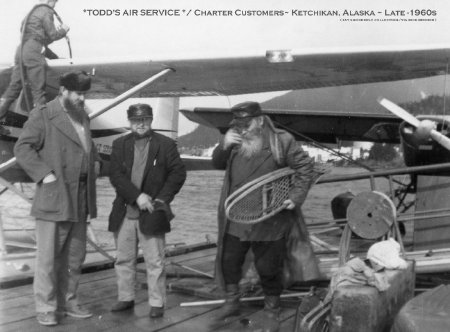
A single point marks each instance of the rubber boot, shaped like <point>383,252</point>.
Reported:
<point>231,306</point>
<point>271,313</point>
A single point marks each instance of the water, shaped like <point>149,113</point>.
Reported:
<point>195,206</point>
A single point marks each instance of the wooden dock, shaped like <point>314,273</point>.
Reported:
<point>98,292</point>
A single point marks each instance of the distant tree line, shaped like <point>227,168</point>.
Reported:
<point>196,141</point>
<point>431,105</point>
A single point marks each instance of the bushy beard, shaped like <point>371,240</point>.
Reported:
<point>252,143</point>
<point>75,110</point>
<point>148,133</point>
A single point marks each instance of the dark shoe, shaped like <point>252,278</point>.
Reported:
<point>156,312</point>
<point>77,311</point>
<point>122,305</point>
<point>46,318</point>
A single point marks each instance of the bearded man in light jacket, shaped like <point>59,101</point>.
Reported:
<point>56,150</point>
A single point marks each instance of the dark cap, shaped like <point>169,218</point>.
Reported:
<point>75,81</point>
<point>139,111</point>
<point>244,112</point>
<point>157,222</point>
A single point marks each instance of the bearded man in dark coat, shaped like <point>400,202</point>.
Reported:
<point>282,252</point>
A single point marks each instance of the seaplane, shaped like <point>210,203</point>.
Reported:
<point>308,70</point>
<point>312,72</point>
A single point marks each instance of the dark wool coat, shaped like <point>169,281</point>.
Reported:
<point>300,263</point>
<point>164,174</point>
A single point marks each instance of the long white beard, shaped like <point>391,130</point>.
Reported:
<point>251,146</point>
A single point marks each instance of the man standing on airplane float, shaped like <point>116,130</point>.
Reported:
<point>147,172</point>
<point>56,150</point>
<point>282,252</point>
<point>38,31</point>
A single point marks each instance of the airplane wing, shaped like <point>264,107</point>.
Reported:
<point>321,126</point>
<point>251,73</point>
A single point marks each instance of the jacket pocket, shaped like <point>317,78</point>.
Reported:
<point>48,198</point>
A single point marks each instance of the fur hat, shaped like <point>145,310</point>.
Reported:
<point>75,81</point>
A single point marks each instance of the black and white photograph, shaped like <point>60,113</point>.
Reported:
<point>225,165</point>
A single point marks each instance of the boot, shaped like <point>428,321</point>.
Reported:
<point>232,304</point>
<point>272,310</point>
<point>272,303</point>
<point>230,308</point>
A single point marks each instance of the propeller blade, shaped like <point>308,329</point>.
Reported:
<point>400,112</point>
<point>440,138</point>
<point>404,115</point>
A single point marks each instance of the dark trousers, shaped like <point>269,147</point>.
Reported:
<point>268,257</point>
<point>35,71</point>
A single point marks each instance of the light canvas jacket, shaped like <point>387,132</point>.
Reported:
<point>49,142</point>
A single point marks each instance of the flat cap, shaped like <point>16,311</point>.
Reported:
<point>248,109</point>
<point>244,112</point>
<point>75,81</point>
<point>139,111</point>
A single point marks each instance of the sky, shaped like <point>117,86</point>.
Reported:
<point>101,28</point>
<point>93,34</point>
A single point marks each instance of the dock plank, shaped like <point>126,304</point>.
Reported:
<point>256,321</point>
<point>98,292</point>
<point>103,319</point>
<point>207,320</point>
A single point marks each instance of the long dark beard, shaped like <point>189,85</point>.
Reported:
<point>75,110</point>
<point>252,143</point>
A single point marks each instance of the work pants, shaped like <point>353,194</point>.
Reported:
<point>35,68</point>
<point>127,239</point>
<point>61,250</point>
<point>268,257</point>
